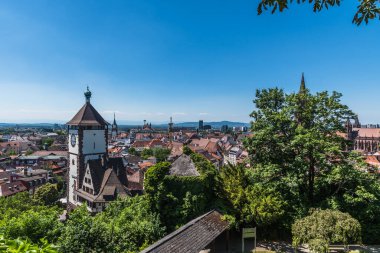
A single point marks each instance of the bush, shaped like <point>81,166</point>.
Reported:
<point>323,227</point>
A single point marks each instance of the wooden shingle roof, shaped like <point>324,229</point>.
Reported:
<point>192,237</point>
<point>87,116</point>
<point>184,166</point>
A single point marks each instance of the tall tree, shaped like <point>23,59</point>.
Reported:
<point>296,138</point>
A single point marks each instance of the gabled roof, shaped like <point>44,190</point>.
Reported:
<point>192,237</point>
<point>97,172</point>
<point>111,185</point>
<point>87,116</point>
<point>183,166</point>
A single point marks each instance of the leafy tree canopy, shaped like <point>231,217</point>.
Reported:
<point>366,10</point>
<point>25,246</point>
<point>47,194</point>
<point>127,225</point>
<point>297,151</point>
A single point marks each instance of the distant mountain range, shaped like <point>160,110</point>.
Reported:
<point>27,124</point>
<point>214,124</point>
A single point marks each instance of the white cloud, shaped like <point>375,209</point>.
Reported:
<point>204,113</point>
<point>179,113</point>
<point>112,112</point>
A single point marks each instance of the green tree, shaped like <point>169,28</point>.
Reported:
<point>178,199</point>
<point>323,227</point>
<point>161,154</point>
<point>47,194</point>
<point>34,225</point>
<point>127,225</point>
<point>47,141</point>
<point>132,151</point>
<point>366,10</point>
<point>296,138</point>
<point>231,184</point>
<point>25,246</point>
<point>246,201</point>
<point>77,236</point>
<point>186,150</point>
<point>297,151</point>
<point>146,153</point>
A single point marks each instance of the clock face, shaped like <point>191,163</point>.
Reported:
<point>73,140</point>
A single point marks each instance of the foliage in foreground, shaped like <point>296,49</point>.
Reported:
<point>127,225</point>
<point>25,246</point>
<point>324,227</point>
<point>366,10</point>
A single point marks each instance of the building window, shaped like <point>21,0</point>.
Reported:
<point>94,145</point>
<point>73,161</point>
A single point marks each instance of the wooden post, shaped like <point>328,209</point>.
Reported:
<point>228,241</point>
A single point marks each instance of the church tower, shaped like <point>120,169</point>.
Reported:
<point>114,130</point>
<point>88,134</point>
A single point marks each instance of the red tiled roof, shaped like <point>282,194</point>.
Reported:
<point>372,160</point>
<point>8,189</point>
<point>368,132</point>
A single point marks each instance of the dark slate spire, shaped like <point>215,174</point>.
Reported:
<point>114,119</point>
<point>303,85</point>
<point>88,94</point>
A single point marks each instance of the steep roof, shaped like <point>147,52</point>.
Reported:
<point>97,172</point>
<point>111,185</point>
<point>183,166</point>
<point>87,116</point>
<point>192,237</point>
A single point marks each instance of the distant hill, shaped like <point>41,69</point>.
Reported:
<point>37,125</point>
<point>214,124</point>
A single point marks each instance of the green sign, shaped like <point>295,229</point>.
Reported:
<point>248,233</point>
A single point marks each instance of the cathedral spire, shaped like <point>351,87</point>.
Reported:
<point>87,95</point>
<point>114,119</point>
<point>303,85</point>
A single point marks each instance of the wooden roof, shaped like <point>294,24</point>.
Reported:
<point>87,116</point>
<point>192,237</point>
<point>183,166</point>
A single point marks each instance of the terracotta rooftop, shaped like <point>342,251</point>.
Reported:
<point>87,116</point>
<point>368,132</point>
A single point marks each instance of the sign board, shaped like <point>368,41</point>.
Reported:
<point>248,233</point>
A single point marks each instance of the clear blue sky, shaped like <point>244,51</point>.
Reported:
<point>191,60</point>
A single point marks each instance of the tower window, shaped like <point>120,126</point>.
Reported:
<point>73,161</point>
